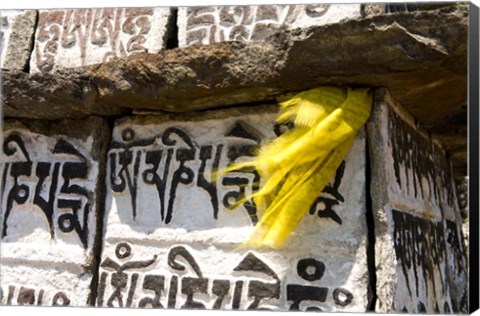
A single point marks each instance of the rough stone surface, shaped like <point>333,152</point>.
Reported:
<point>420,56</point>
<point>50,212</point>
<point>461,184</point>
<point>371,9</point>
<point>172,240</point>
<point>16,38</point>
<point>79,37</point>
<point>420,253</point>
<point>214,24</point>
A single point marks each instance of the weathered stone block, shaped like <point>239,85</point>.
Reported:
<point>16,32</point>
<point>172,239</point>
<point>79,37</point>
<point>213,24</point>
<point>51,179</point>
<point>420,253</point>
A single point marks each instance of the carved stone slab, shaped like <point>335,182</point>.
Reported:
<point>50,181</point>
<point>213,24</point>
<point>420,252</point>
<point>173,240</point>
<point>16,31</point>
<point>79,37</point>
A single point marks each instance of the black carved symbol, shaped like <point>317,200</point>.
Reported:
<point>60,299</point>
<point>119,279</point>
<point>11,292</point>
<point>342,296</point>
<point>310,270</point>
<point>125,177</point>
<point>128,134</point>
<point>155,283</point>
<point>18,193</point>
<point>419,245</point>
<point>66,223</point>
<point>208,186</point>
<point>26,296</point>
<point>421,308</point>
<point>220,288</point>
<point>304,269</point>
<point>316,10</point>
<point>183,174</point>
<point>329,202</point>
<point>150,176</point>
<point>257,289</point>
<point>123,250</point>
<point>249,137</point>
<point>190,285</point>
<point>45,190</point>
<point>47,206</point>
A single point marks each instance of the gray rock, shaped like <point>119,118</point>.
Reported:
<point>215,24</point>
<point>79,37</point>
<point>18,28</point>
<point>420,56</point>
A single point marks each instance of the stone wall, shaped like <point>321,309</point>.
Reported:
<point>116,207</point>
<point>420,253</point>
<point>67,38</point>
<point>52,198</point>
<point>208,25</point>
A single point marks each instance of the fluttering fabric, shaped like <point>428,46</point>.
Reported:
<point>296,166</point>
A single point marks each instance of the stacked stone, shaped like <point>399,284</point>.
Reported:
<point>16,30</point>
<point>420,253</point>
<point>132,215</point>
<point>51,193</point>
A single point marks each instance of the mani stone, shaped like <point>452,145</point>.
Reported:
<point>419,248</point>
<point>79,37</point>
<point>16,32</point>
<point>174,234</point>
<point>51,175</point>
<point>213,24</point>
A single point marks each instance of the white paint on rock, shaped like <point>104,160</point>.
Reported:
<point>419,247</point>
<point>206,248</point>
<point>80,37</point>
<point>39,285</point>
<point>213,24</point>
<point>46,245</point>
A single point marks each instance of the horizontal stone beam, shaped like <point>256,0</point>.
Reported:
<point>420,56</point>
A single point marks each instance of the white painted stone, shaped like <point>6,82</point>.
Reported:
<point>419,248</point>
<point>79,37</point>
<point>49,212</point>
<point>193,237</point>
<point>213,24</point>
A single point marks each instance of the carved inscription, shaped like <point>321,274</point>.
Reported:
<point>79,37</point>
<point>420,167</point>
<point>173,160</point>
<point>252,283</point>
<point>312,270</point>
<point>59,185</point>
<point>206,25</point>
<point>422,179</point>
<point>420,251</point>
<point>23,295</point>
